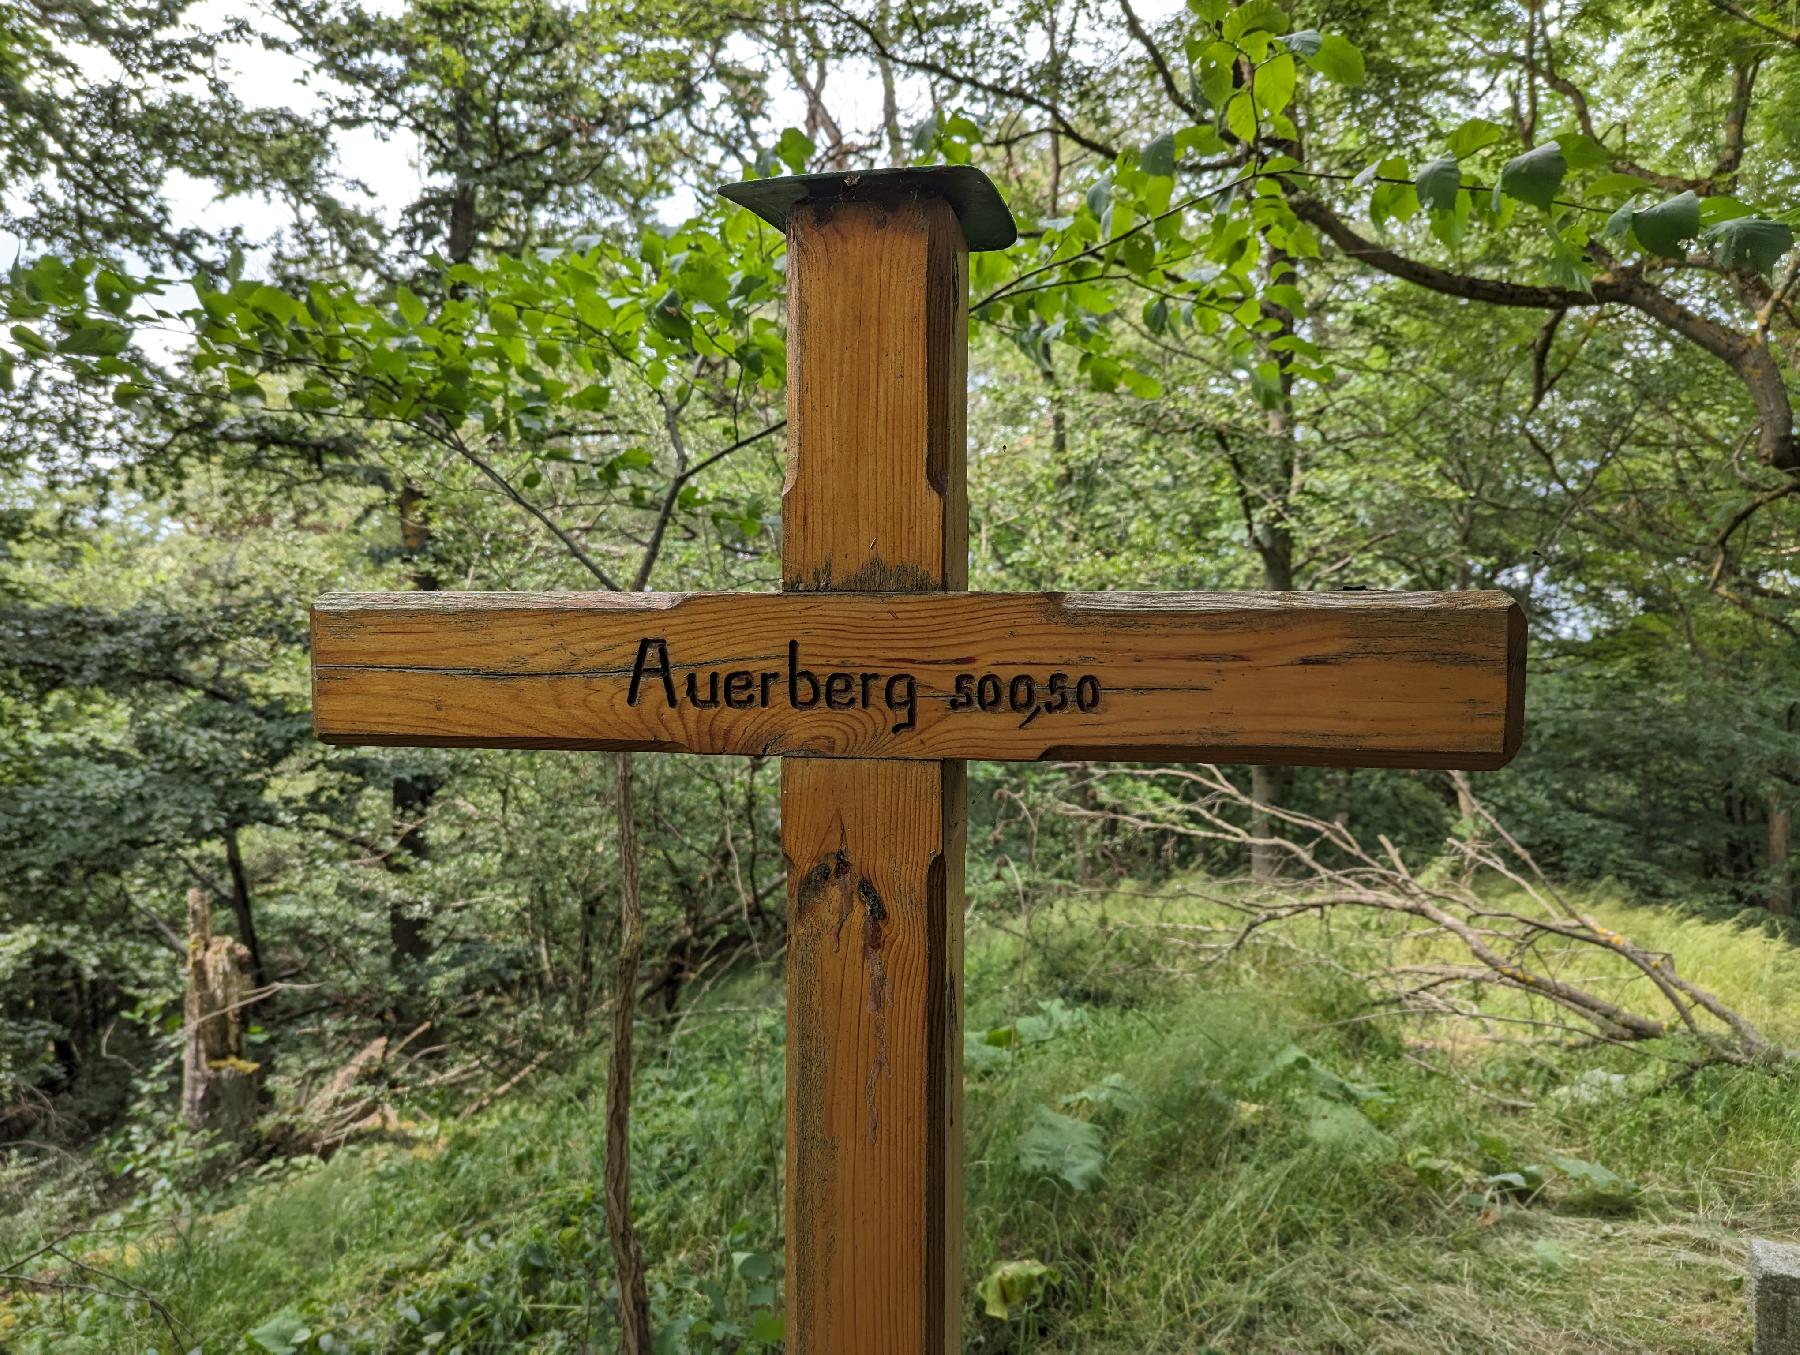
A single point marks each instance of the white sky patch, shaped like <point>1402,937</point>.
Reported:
<point>389,166</point>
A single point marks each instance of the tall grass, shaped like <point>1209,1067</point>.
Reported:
<point>1255,1163</point>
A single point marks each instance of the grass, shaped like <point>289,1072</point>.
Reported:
<point>1261,1168</point>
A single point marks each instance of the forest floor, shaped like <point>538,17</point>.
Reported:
<point>1167,1157</point>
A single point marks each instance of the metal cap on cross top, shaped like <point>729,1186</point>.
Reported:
<point>986,221</point>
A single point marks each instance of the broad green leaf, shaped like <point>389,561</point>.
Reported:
<point>1448,226</point>
<point>768,1327</point>
<point>1115,1090</point>
<point>92,339</point>
<point>1567,269</point>
<point>1535,176</point>
<point>795,148</point>
<point>1614,185</point>
<point>1240,116</point>
<point>1215,71</point>
<point>1474,135</point>
<point>1619,223</point>
<point>1715,210</point>
<point>27,338</point>
<point>1395,197</point>
<point>1599,1179</point>
<point>1059,1145</point>
<point>1437,183</point>
<point>1158,157</point>
<point>112,291</point>
<point>1141,384</point>
<point>1254,16</point>
<point>1274,83</point>
<point>1750,242</point>
<point>1662,229</point>
<point>1012,1284</point>
<point>412,310</point>
<point>1581,151</point>
<point>1338,60</point>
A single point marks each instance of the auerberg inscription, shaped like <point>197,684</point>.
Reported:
<point>803,689</point>
<point>1398,679</point>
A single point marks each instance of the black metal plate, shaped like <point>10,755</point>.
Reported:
<point>986,222</point>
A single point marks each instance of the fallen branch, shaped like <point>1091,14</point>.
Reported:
<point>1620,993</point>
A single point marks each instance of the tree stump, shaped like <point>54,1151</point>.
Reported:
<point>218,1084</point>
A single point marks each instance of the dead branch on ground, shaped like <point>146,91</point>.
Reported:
<point>1573,970</point>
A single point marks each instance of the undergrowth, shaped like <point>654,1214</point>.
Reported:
<point>1162,1156</point>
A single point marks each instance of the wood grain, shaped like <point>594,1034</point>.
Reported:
<point>874,500</point>
<point>1397,679</point>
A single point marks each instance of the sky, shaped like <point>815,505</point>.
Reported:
<point>391,167</point>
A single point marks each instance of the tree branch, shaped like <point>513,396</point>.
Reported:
<point>1749,357</point>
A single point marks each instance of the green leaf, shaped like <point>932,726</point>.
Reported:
<point>1332,1124</point>
<point>795,148</point>
<point>112,291</point>
<point>1535,176</point>
<point>1715,210</point>
<point>1158,158</point>
<point>768,1327</point>
<point>1437,183</point>
<point>1215,72</point>
<point>1141,384</point>
<point>1551,1255</point>
<point>1338,60</point>
<point>1013,1284</point>
<point>1240,116</point>
<point>412,310</point>
<point>27,338</point>
<point>1254,16</point>
<point>1273,83</point>
<point>1619,223</point>
<point>1750,242</point>
<point>1663,228</point>
<point>1567,269</point>
<point>1612,185</point>
<point>1059,1145</point>
<point>1583,152</point>
<point>91,339</point>
<point>281,1335</point>
<point>1474,135</point>
<point>1115,1089</point>
<point>1596,1178</point>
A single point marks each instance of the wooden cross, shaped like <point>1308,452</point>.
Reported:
<point>874,675</point>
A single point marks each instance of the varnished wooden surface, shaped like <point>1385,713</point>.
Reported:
<point>874,500</point>
<point>1420,680</point>
<point>874,1209</point>
<point>875,497</point>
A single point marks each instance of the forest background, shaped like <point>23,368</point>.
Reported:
<point>436,294</point>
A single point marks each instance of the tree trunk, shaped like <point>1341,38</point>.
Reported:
<point>1269,787</point>
<point>218,1084</point>
<point>240,908</point>
<point>628,1258</point>
<point>412,795</point>
<point>1781,871</point>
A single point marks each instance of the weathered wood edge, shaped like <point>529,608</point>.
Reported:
<point>1114,607</point>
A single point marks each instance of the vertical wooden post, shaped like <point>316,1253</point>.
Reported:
<point>875,501</point>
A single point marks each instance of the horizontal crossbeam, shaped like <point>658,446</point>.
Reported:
<point>1349,679</point>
